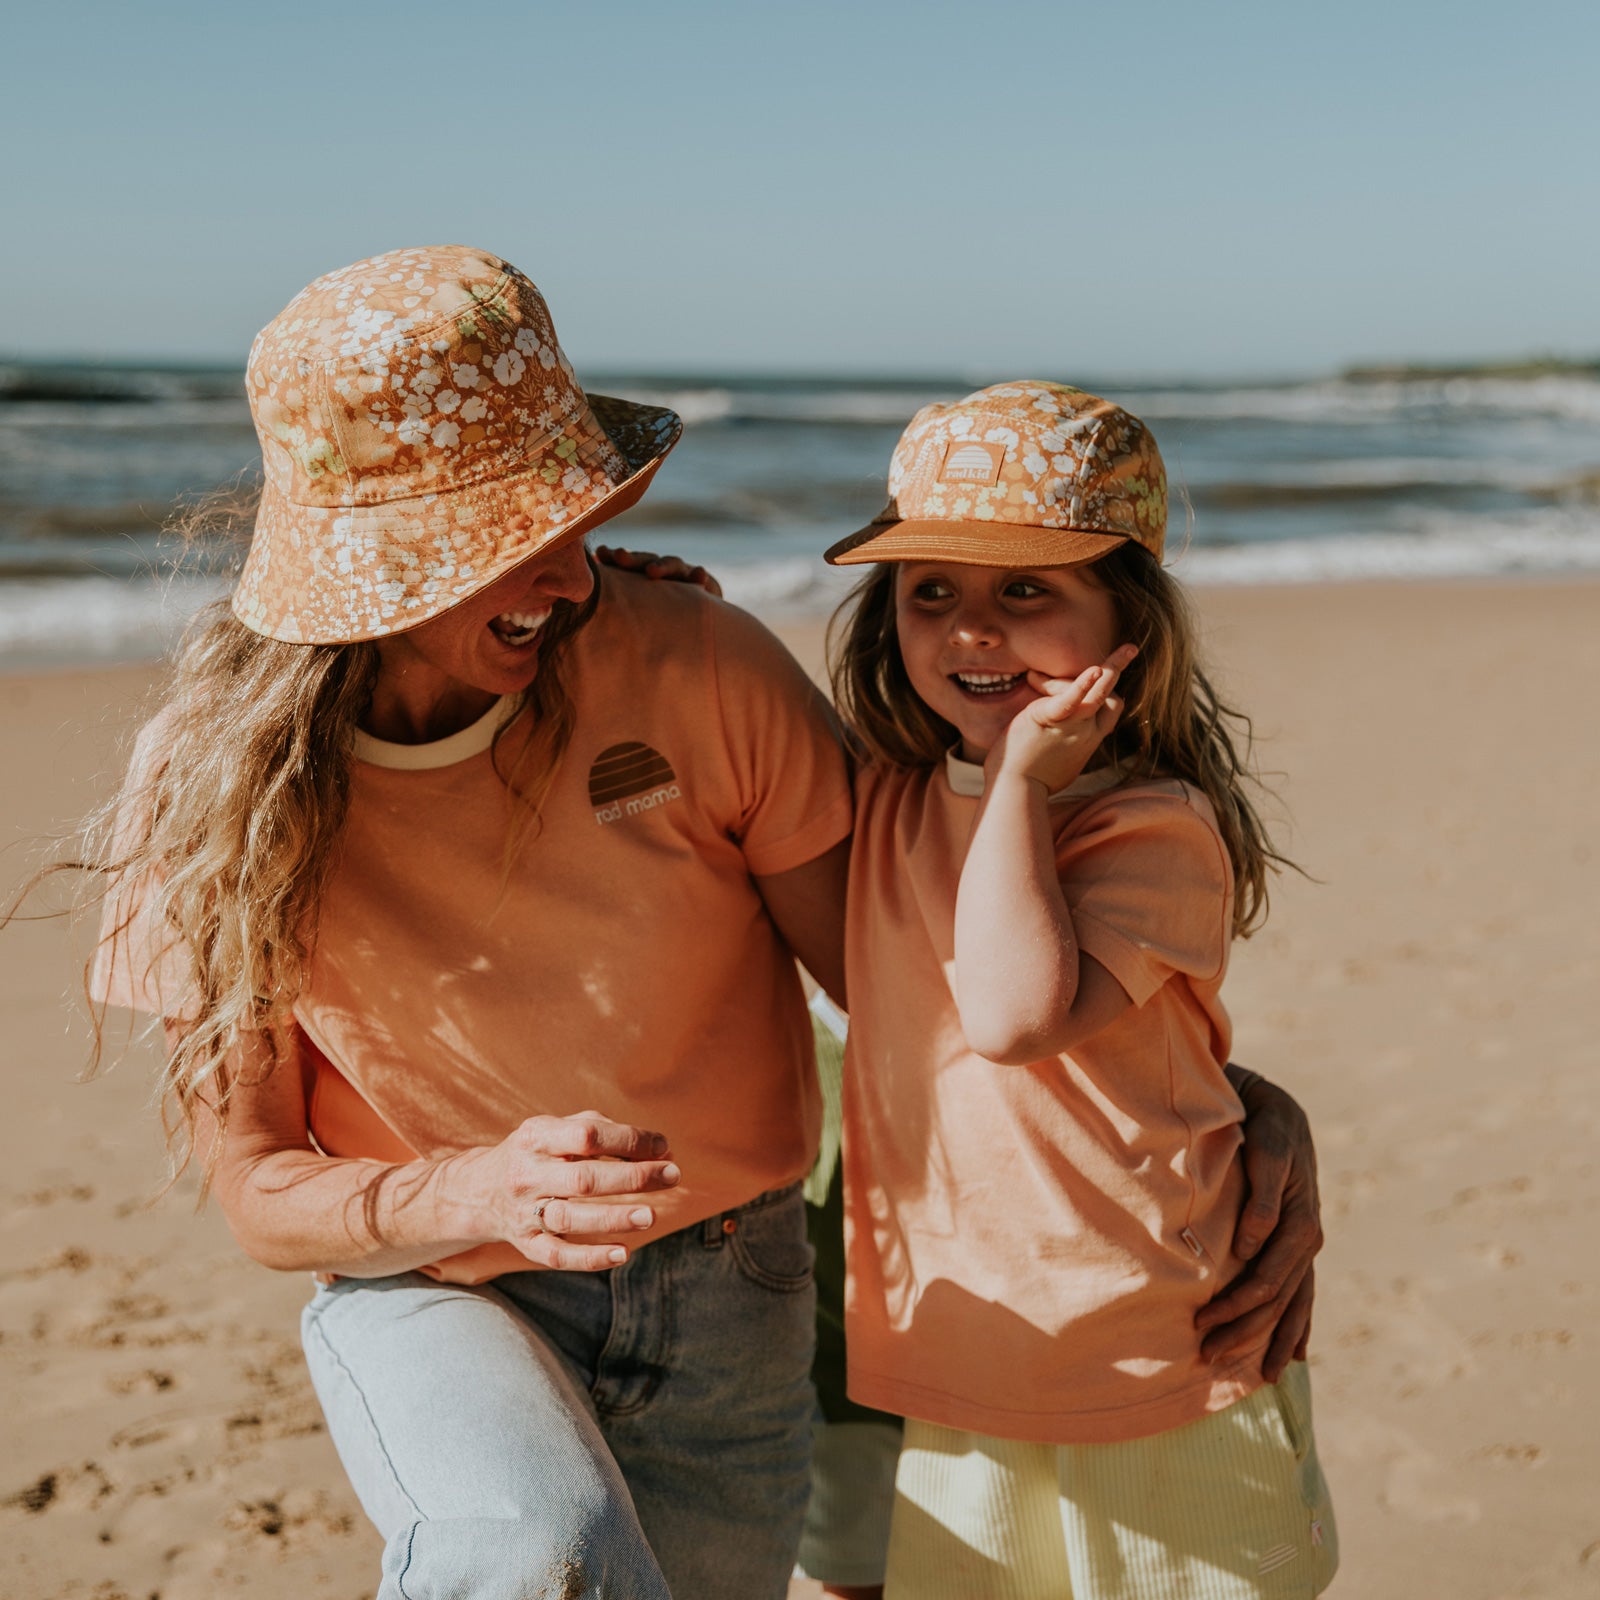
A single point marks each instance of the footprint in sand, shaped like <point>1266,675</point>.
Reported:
<point>72,1259</point>
<point>139,1321</point>
<point>1476,1194</point>
<point>71,1489</point>
<point>147,1381</point>
<point>1499,1256</point>
<point>39,1198</point>
<point>295,1518</point>
<point>1512,1455</point>
<point>1413,1484</point>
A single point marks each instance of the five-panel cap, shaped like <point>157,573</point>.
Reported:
<point>421,434</point>
<point>1024,474</point>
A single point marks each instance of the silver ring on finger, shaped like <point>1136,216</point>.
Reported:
<point>538,1217</point>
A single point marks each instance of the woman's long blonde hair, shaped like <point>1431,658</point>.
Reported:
<point>228,825</point>
<point>1173,725</point>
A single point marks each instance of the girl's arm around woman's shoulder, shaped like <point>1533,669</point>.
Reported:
<point>544,1188</point>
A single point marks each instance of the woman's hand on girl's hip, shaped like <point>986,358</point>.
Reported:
<point>1051,739</point>
<point>1279,1234</point>
<point>557,1182</point>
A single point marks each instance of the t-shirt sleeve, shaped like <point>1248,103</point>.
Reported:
<point>138,963</point>
<point>1148,881</point>
<point>792,791</point>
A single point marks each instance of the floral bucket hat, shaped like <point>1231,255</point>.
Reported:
<point>421,434</point>
<point>1020,474</point>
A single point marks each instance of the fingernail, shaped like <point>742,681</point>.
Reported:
<point>658,1145</point>
<point>641,1216</point>
<point>670,1173</point>
<point>616,1255</point>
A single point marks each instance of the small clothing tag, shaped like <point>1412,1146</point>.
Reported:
<point>1188,1237</point>
<point>972,461</point>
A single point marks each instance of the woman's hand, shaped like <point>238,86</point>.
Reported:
<point>557,1182</point>
<point>673,568</point>
<point>1051,739</point>
<point>1279,1234</point>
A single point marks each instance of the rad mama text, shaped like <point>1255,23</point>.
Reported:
<point>618,809</point>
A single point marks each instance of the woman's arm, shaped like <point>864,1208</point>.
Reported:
<point>295,1209</point>
<point>1279,1233</point>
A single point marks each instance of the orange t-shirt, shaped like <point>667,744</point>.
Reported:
<point>623,960</point>
<point>1027,1245</point>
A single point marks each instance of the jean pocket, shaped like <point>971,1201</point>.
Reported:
<point>769,1242</point>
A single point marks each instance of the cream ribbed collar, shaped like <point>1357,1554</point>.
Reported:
<point>461,745</point>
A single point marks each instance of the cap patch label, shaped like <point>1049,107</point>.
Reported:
<point>972,461</point>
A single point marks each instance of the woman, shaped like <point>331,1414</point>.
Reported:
<point>441,836</point>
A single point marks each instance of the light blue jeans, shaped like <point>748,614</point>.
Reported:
<point>632,1434</point>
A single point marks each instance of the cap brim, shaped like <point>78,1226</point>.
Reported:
<point>337,611</point>
<point>971,544</point>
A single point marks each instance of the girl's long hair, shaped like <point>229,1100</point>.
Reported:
<point>227,829</point>
<point>1173,725</point>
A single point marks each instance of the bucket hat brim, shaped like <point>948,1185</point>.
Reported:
<point>340,574</point>
<point>974,543</point>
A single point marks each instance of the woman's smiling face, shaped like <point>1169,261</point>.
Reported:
<point>490,641</point>
<point>969,636</point>
<point>446,672</point>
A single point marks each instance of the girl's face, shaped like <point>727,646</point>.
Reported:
<point>969,636</point>
<point>490,642</point>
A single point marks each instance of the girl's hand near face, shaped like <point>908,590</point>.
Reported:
<point>1052,739</point>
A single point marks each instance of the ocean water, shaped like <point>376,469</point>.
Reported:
<point>1393,475</point>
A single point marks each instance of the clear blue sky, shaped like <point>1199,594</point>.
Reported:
<point>1167,188</point>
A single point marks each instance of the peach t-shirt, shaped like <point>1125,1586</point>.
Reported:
<point>1027,1245</point>
<point>624,961</point>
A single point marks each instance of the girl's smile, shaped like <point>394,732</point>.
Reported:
<point>969,637</point>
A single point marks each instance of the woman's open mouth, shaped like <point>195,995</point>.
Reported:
<point>987,685</point>
<point>518,628</point>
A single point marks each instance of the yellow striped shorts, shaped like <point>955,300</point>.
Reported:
<point>1232,1507</point>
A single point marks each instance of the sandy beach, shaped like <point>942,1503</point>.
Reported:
<point>1431,998</point>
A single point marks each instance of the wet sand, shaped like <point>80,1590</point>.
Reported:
<point>1432,1000</point>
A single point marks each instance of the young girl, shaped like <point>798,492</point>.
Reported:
<point>1041,1143</point>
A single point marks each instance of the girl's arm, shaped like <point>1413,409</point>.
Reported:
<point>295,1209</point>
<point>672,568</point>
<point>1023,988</point>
